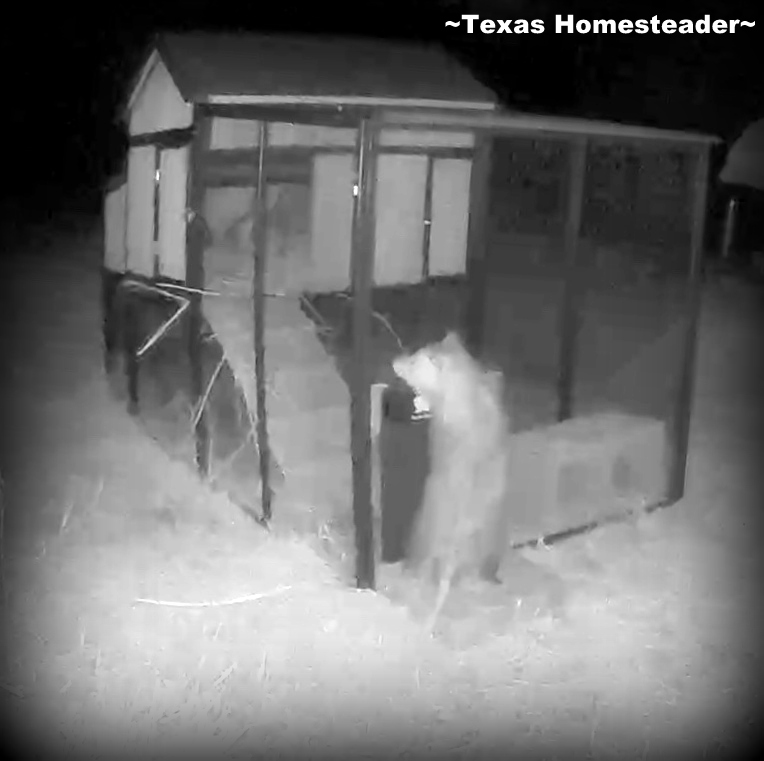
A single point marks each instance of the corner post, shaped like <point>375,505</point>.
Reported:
<point>362,273</point>
<point>260,242</point>
<point>477,235</point>
<point>195,245</point>
<point>679,425</point>
<point>570,312</point>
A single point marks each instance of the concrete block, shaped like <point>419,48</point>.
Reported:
<point>582,470</point>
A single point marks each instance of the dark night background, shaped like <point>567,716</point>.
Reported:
<point>66,70</point>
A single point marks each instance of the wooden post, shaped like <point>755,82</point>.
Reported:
<point>195,279</point>
<point>423,304</point>
<point>375,416</point>
<point>477,235</point>
<point>111,306</point>
<point>362,273</point>
<point>260,242</point>
<point>131,315</point>
<point>570,312</point>
<point>679,424</point>
<point>157,206</point>
<point>426,237</point>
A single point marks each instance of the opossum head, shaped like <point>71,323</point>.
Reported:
<point>434,368</point>
<point>455,388</point>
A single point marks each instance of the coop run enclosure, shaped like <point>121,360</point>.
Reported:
<point>288,221</point>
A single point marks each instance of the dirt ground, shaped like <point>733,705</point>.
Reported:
<point>145,616</point>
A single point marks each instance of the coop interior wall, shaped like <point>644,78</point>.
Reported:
<point>229,212</point>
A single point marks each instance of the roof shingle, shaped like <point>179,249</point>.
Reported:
<point>205,65</point>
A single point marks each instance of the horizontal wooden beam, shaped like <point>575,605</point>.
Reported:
<point>168,138</point>
<point>328,116</point>
<point>238,167</point>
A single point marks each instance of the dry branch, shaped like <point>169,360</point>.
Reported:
<point>216,603</point>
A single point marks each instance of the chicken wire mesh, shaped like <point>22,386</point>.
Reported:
<point>617,290</point>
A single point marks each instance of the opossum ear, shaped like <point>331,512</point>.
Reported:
<point>451,342</point>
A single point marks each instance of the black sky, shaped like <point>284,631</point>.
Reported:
<point>66,70</point>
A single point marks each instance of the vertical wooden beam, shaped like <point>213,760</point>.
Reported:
<point>427,220</point>
<point>111,305</point>
<point>423,304</point>
<point>679,423</point>
<point>477,236</point>
<point>131,317</point>
<point>157,201</point>
<point>570,311</point>
<point>195,244</point>
<point>260,242</point>
<point>362,274</point>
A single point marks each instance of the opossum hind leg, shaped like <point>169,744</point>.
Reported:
<point>444,587</point>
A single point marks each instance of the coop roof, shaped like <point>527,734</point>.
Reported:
<point>534,125</point>
<point>276,68</point>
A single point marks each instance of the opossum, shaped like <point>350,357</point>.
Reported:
<point>461,525</point>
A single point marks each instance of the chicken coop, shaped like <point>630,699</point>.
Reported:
<point>295,212</point>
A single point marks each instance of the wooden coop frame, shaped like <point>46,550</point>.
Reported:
<point>180,118</point>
